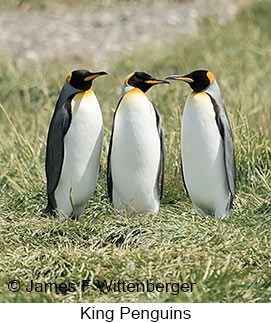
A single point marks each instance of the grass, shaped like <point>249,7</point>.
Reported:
<point>51,5</point>
<point>229,260</point>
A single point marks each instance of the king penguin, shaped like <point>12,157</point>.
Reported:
<point>136,150</point>
<point>74,145</point>
<point>208,163</point>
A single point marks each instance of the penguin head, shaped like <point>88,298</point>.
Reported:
<point>199,80</point>
<point>142,81</point>
<point>82,79</point>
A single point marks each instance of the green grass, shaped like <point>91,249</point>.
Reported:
<point>229,260</point>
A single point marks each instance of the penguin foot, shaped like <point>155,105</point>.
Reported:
<point>227,214</point>
<point>48,213</point>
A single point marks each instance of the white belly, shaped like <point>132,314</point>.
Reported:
<point>203,156</point>
<point>82,151</point>
<point>135,156</point>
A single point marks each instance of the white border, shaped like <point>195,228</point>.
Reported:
<point>200,313</point>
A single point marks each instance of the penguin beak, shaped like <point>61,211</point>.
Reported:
<point>94,75</point>
<point>156,81</point>
<point>180,78</point>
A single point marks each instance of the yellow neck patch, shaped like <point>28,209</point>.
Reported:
<point>136,91</point>
<point>198,93</point>
<point>211,77</point>
<point>79,96</point>
<point>128,78</point>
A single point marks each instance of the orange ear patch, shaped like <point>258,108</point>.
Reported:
<point>128,78</point>
<point>211,77</point>
<point>69,77</point>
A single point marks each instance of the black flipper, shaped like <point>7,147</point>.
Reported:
<point>161,171</point>
<point>108,170</point>
<point>185,187</point>
<point>59,126</point>
<point>225,131</point>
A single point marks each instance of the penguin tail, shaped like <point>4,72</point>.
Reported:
<point>228,211</point>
